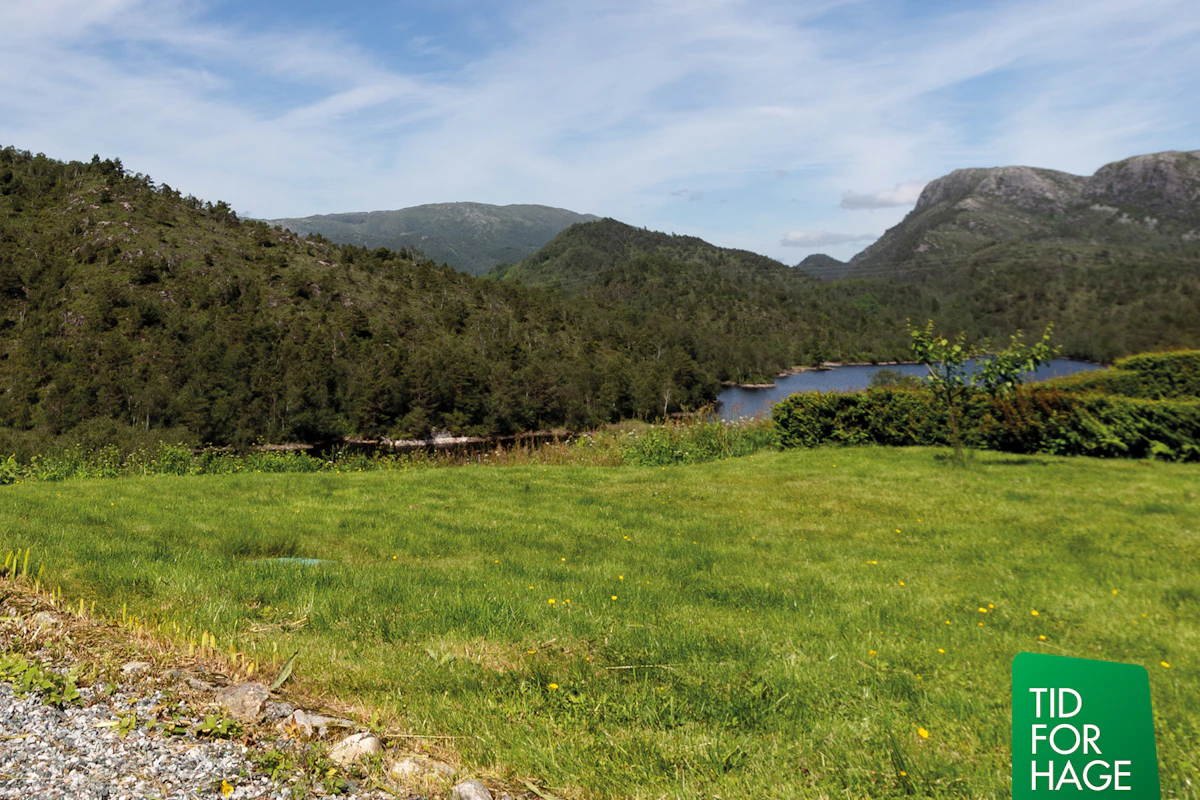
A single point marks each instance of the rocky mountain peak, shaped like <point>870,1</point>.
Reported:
<point>1167,183</point>
<point>1042,190</point>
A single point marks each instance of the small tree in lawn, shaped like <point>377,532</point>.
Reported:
<point>953,378</point>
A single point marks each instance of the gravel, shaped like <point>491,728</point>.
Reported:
<point>48,753</point>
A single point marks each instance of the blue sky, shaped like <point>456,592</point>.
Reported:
<point>778,126</point>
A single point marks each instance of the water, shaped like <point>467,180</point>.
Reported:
<point>736,401</point>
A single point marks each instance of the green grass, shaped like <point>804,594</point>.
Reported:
<point>756,587</point>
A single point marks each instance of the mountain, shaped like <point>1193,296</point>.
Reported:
<point>126,306</point>
<point>825,267</point>
<point>745,316</point>
<point>471,237</point>
<point>1148,203</point>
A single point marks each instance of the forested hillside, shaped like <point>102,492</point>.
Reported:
<point>122,299</point>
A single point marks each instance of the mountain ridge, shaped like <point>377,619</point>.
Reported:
<point>471,237</point>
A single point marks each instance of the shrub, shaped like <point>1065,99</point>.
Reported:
<point>1033,419</point>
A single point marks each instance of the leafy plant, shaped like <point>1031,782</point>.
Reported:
<point>219,726</point>
<point>957,369</point>
<point>31,677</point>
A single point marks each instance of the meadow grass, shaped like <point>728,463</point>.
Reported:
<point>784,624</point>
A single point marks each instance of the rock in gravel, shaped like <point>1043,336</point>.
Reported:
<point>310,724</point>
<point>417,767</point>
<point>135,668</point>
<point>470,790</point>
<point>355,747</point>
<point>244,700</point>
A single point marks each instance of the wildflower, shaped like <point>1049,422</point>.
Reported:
<point>870,652</point>
<point>1042,637</point>
<point>552,687</point>
<point>497,561</point>
<point>395,557</point>
<point>897,530</point>
<point>991,607</point>
<point>533,652</point>
<point>901,583</point>
<point>981,624</point>
<point>1034,612</point>
<point>614,597</point>
<point>551,601</point>
<point>903,774</point>
<point>940,650</point>
<point>226,789</point>
<point>620,577</point>
<point>1165,665</point>
<point>1114,591</point>
<point>982,610</point>
<point>924,734</point>
<point>562,559</point>
<point>947,621</point>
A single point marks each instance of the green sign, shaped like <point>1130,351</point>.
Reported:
<point>1081,727</point>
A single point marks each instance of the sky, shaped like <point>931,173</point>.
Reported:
<point>785,127</point>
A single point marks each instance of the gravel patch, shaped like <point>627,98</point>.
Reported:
<point>50,753</point>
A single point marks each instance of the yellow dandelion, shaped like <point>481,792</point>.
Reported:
<point>901,583</point>
<point>226,789</point>
<point>981,624</point>
<point>532,652</point>
<point>395,557</point>
<point>562,559</point>
<point>552,687</point>
<point>870,652</point>
<point>903,774</point>
<point>1114,591</point>
<point>551,601</point>
<point>947,622</point>
<point>614,597</point>
<point>568,602</point>
<point>1034,612</point>
<point>627,538</point>
<point>1165,665</point>
<point>1042,636</point>
<point>897,530</point>
<point>924,734</point>
<point>497,561</point>
<point>620,577</point>
<point>940,650</point>
<point>990,606</point>
<point>982,610</point>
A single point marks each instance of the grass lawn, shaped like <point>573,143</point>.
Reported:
<point>773,626</point>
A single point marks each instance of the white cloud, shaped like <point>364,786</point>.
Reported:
<point>604,107</point>
<point>903,194</point>
<point>812,239</point>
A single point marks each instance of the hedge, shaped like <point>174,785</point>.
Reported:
<point>1154,376</point>
<point>1034,419</point>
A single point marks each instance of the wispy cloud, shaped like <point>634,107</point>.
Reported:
<point>811,239</point>
<point>903,194</point>
<point>605,107</point>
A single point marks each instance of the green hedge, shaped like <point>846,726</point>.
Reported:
<point>1154,376</point>
<point>1034,419</point>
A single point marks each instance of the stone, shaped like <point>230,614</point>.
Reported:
<point>310,724</point>
<point>244,700</point>
<point>355,748</point>
<point>419,767</point>
<point>198,685</point>
<point>470,790</point>
<point>135,668</point>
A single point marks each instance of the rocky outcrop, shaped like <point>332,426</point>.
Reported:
<point>1167,184</point>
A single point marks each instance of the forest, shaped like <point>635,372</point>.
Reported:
<point>125,303</point>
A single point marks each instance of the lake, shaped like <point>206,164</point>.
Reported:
<point>736,401</point>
